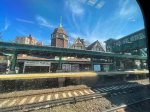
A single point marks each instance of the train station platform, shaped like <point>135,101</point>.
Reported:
<point>71,75</point>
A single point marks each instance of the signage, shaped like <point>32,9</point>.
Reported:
<point>37,63</point>
<point>130,39</point>
<point>66,67</point>
<point>97,68</point>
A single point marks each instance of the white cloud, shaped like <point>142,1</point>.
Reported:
<point>43,22</point>
<point>24,21</point>
<point>83,1</point>
<point>100,4</point>
<point>6,25</point>
<point>90,38</point>
<point>132,19</point>
<point>119,36</point>
<point>75,6</point>
<point>91,2</point>
<point>21,32</point>
<point>75,35</point>
<point>127,8</point>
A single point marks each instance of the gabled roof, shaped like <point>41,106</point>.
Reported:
<point>79,42</point>
<point>95,44</point>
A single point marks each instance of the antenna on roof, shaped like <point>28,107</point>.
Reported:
<point>60,25</point>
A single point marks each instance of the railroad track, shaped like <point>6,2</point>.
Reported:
<point>43,92</point>
<point>44,98</point>
<point>126,105</point>
<point>51,103</point>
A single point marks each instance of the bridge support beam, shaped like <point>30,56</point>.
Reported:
<point>14,61</point>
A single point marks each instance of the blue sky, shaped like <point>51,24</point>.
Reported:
<point>89,19</point>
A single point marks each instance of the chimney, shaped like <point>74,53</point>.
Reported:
<point>29,35</point>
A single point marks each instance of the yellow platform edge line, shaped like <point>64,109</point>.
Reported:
<point>59,75</point>
<point>48,75</point>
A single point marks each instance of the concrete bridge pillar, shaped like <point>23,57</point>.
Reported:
<point>61,81</point>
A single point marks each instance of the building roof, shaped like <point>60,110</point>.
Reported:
<point>95,44</point>
<point>30,37</point>
<point>59,30</point>
<point>78,42</point>
<point>34,58</point>
<point>110,40</point>
<point>79,59</point>
<point>20,57</point>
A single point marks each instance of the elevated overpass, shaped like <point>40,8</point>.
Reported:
<point>133,43</point>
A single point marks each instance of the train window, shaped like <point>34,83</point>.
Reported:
<point>73,55</point>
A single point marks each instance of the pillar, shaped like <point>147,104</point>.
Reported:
<point>141,64</point>
<point>133,64</point>
<point>121,65</point>
<point>14,60</point>
<point>61,82</point>
<point>114,64</point>
<point>92,64</point>
<point>59,63</point>
<point>124,77</point>
<point>102,67</point>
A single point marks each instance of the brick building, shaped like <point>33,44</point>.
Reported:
<point>59,37</point>
<point>27,40</point>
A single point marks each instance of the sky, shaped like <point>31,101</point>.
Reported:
<point>88,19</point>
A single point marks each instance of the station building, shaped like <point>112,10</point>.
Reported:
<point>59,38</point>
